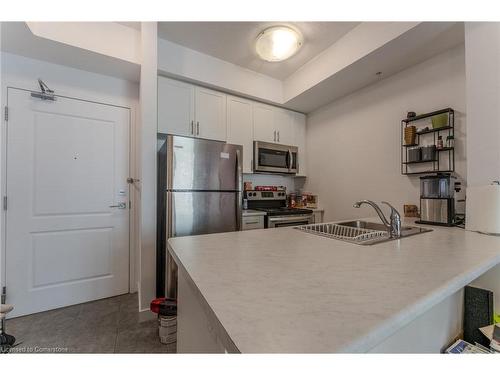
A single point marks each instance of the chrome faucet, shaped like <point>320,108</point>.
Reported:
<point>394,226</point>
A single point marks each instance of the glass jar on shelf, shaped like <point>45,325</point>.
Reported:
<point>450,141</point>
<point>439,142</point>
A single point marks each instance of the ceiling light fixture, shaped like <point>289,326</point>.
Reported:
<point>278,43</point>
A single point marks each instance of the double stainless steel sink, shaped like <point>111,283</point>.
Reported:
<point>360,232</point>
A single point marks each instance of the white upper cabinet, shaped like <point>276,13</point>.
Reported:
<point>175,107</point>
<point>240,128</point>
<point>283,126</point>
<point>272,124</point>
<point>263,123</point>
<point>299,126</point>
<point>193,111</point>
<point>210,114</point>
<point>185,109</point>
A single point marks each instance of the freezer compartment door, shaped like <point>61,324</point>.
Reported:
<point>200,164</point>
<point>194,213</point>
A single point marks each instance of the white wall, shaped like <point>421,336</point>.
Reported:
<point>290,183</point>
<point>353,144</point>
<point>22,72</point>
<point>148,131</point>
<point>181,62</point>
<point>107,38</point>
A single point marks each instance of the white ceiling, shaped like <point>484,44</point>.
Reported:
<point>234,41</point>
<point>18,39</point>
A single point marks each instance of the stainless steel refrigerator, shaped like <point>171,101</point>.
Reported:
<point>200,187</point>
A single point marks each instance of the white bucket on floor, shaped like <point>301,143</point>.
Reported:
<point>167,329</point>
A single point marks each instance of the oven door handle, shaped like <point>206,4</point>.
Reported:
<point>289,218</point>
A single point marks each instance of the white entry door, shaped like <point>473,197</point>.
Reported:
<point>67,227</point>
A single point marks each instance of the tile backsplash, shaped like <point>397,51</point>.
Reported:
<point>292,184</point>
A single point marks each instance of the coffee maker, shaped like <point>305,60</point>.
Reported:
<point>437,200</point>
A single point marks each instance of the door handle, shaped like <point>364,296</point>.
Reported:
<point>121,206</point>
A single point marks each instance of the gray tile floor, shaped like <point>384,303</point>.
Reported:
<point>109,325</point>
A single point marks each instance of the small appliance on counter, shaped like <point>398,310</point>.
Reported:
<point>437,200</point>
<point>273,203</point>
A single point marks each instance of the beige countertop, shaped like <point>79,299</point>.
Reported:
<point>283,290</point>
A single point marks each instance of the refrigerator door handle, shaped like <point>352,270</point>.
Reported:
<point>169,207</point>
<point>238,185</point>
<point>171,267</point>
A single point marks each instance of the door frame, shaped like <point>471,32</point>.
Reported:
<point>133,191</point>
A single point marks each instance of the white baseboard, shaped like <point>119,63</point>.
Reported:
<point>145,315</point>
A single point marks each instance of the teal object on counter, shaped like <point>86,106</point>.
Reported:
<point>439,121</point>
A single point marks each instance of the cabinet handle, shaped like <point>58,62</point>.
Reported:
<point>278,135</point>
<point>252,222</point>
<point>192,127</point>
<point>197,128</point>
<point>275,136</point>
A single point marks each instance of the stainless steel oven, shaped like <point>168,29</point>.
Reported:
<point>275,158</point>
<point>289,220</point>
<point>273,203</point>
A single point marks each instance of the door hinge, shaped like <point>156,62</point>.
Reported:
<point>6,113</point>
<point>5,203</point>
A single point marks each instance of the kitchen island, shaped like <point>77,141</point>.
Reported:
<point>286,291</point>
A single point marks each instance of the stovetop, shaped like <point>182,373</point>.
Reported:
<point>277,211</point>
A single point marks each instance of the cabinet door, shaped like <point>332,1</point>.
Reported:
<point>210,114</point>
<point>263,123</point>
<point>283,126</point>
<point>252,222</point>
<point>240,128</point>
<point>175,107</point>
<point>299,125</point>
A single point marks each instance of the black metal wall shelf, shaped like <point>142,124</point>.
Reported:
<point>417,173</point>
<point>427,115</point>
<point>444,163</point>
<point>420,161</point>
<point>422,132</point>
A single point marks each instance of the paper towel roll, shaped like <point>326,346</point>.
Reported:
<point>483,209</point>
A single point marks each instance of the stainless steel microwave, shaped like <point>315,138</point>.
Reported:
<point>275,158</point>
